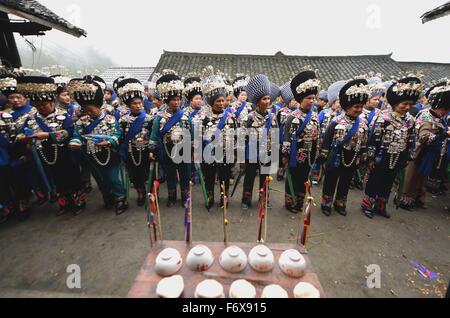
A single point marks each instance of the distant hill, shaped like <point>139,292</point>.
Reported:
<point>55,59</point>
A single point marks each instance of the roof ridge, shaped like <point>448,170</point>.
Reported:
<point>276,55</point>
<point>419,62</point>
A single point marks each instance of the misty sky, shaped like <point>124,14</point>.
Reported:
<point>135,32</point>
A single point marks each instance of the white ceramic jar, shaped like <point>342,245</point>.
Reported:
<point>274,291</point>
<point>168,262</point>
<point>233,259</point>
<point>242,289</point>
<point>209,288</point>
<point>261,259</point>
<point>170,287</point>
<point>292,263</point>
<point>200,258</point>
<point>306,290</point>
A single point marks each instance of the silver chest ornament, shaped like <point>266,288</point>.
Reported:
<point>92,149</point>
<point>210,130</point>
<point>340,132</point>
<point>139,144</point>
<point>176,134</point>
<point>354,144</point>
<point>283,116</point>
<point>54,127</point>
<point>7,126</point>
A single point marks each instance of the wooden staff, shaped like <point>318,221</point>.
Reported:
<point>225,213</point>
<point>190,212</point>
<point>266,190</point>
<point>158,212</point>
<point>302,238</point>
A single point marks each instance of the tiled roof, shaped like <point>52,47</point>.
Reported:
<point>279,67</point>
<point>141,73</point>
<point>436,13</point>
<point>431,71</point>
<point>36,12</point>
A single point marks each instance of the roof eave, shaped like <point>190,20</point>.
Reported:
<point>77,32</point>
<point>436,13</point>
<point>433,16</point>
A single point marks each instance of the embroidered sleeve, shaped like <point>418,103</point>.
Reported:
<point>154,136</point>
<point>287,135</point>
<point>116,135</point>
<point>376,134</point>
<point>411,146</point>
<point>427,136</point>
<point>76,138</point>
<point>328,139</point>
<point>60,136</point>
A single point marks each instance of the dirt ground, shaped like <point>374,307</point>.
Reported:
<point>111,249</point>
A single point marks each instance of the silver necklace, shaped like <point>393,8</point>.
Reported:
<point>55,155</point>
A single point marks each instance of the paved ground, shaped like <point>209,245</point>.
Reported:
<point>110,249</point>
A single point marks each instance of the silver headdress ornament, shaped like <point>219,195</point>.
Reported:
<point>309,84</point>
<point>192,86</point>
<point>168,71</point>
<point>61,80</point>
<point>213,84</point>
<point>410,88</point>
<point>441,88</point>
<point>209,70</point>
<point>8,83</point>
<point>439,96</point>
<point>241,82</point>
<point>192,74</point>
<point>101,84</point>
<point>166,89</point>
<point>131,90</point>
<point>419,74</point>
<point>359,89</point>
<point>81,90</point>
<point>38,91</point>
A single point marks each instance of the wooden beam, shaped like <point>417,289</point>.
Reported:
<point>24,28</point>
<point>9,53</point>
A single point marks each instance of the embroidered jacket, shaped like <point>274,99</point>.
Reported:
<point>256,132</point>
<point>283,114</point>
<point>393,139</point>
<point>431,132</point>
<point>108,127</point>
<point>243,116</point>
<point>142,139</point>
<point>75,108</point>
<point>226,135</point>
<point>307,141</point>
<point>163,143</point>
<point>62,129</point>
<point>353,149</point>
<point>365,115</point>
